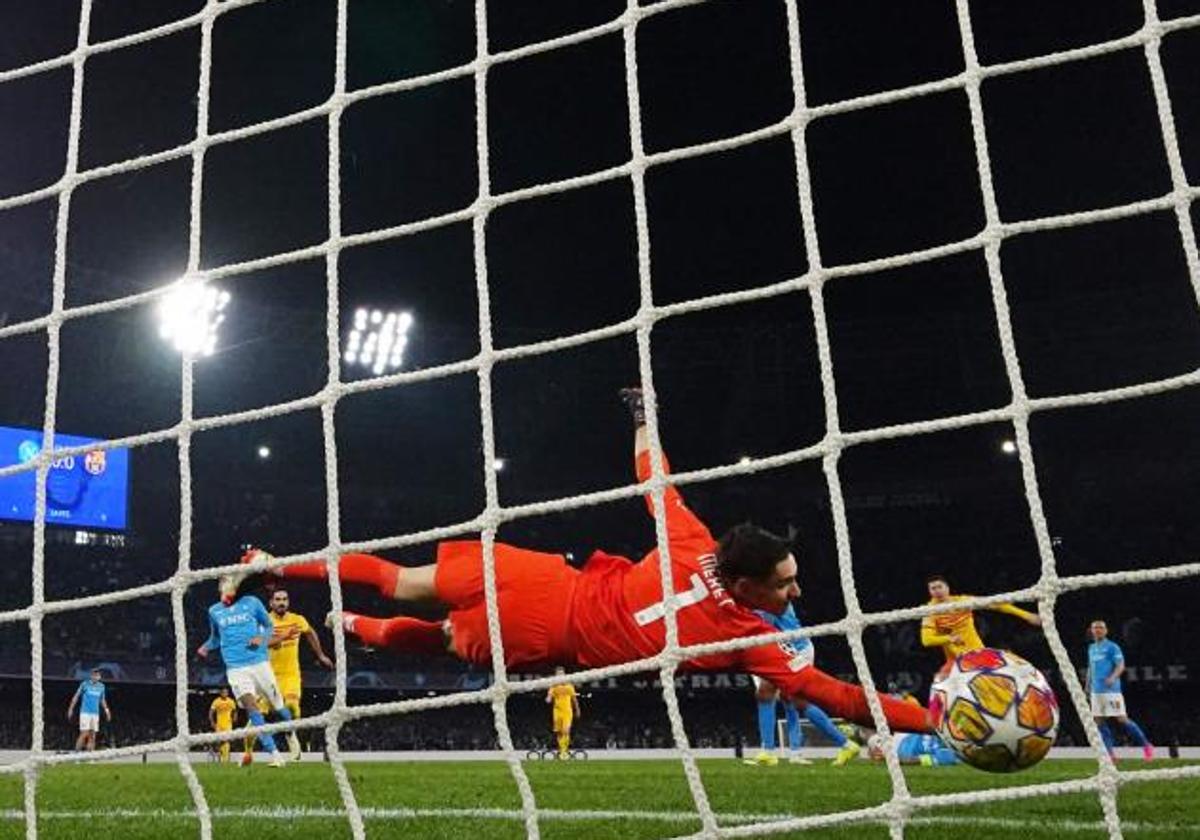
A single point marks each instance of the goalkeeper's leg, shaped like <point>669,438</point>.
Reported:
<point>402,634</point>
<point>389,579</point>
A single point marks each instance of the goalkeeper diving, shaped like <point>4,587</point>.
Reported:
<point>611,611</point>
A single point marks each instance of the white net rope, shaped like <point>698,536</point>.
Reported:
<point>902,804</point>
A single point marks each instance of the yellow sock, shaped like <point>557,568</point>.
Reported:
<point>293,706</point>
<point>249,744</point>
<point>564,743</point>
<point>224,752</point>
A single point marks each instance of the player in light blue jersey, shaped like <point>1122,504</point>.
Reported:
<point>912,748</point>
<point>1106,664</point>
<point>768,695</point>
<point>241,629</point>
<point>91,699</point>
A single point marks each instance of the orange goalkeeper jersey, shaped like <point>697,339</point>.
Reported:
<point>618,614</point>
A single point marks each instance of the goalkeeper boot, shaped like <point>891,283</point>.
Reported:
<point>848,751</point>
<point>348,621</point>
<point>798,759</point>
<point>763,759</point>
<point>277,760</point>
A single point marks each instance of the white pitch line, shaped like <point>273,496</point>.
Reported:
<point>1192,829</point>
<point>294,813</point>
<point>284,813</point>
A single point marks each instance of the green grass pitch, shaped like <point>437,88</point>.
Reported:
<point>597,799</point>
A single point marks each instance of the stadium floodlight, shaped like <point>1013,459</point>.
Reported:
<point>1008,447</point>
<point>498,465</point>
<point>190,315</point>
<point>745,459</point>
<point>377,339</point>
<point>264,452</point>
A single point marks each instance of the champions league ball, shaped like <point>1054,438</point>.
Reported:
<point>995,710</point>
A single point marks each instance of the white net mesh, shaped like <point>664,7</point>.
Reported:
<point>902,804</point>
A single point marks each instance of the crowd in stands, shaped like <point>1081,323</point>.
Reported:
<point>611,719</point>
<point>898,539</point>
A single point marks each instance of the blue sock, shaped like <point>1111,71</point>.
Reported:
<point>819,719</point>
<point>1135,732</point>
<point>795,735</point>
<point>1106,736</point>
<point>766,724</point>
<point>282,713</point>
<point>267,741</point>
<point>943,756</point>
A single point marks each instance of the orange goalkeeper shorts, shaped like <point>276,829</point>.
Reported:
<point>533,592</point>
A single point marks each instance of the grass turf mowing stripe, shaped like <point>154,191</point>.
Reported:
<point>293,813</point>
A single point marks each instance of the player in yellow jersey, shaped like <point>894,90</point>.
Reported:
<point>954,632</point>
<point>565,710</point>
<point>284,654</point>
<point>220,717</point>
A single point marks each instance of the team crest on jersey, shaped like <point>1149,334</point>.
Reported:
<point>797,659</point>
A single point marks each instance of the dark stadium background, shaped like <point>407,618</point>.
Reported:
<point>1093,307</point>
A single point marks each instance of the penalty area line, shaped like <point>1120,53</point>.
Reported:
<point>323,813</point>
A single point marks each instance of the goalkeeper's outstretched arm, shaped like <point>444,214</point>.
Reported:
<point>635,402</point>
<point>682,523</point>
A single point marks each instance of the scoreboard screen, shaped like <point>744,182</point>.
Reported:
<point>88,490</point>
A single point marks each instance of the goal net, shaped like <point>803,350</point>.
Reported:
<point>902,805</point>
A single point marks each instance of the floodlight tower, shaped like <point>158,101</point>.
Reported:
<point>190,315</point>
<point>377,340</point>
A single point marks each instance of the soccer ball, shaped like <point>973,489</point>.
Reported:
<point>995,710</point>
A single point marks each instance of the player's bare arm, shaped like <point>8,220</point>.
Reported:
<point>314,642</point>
